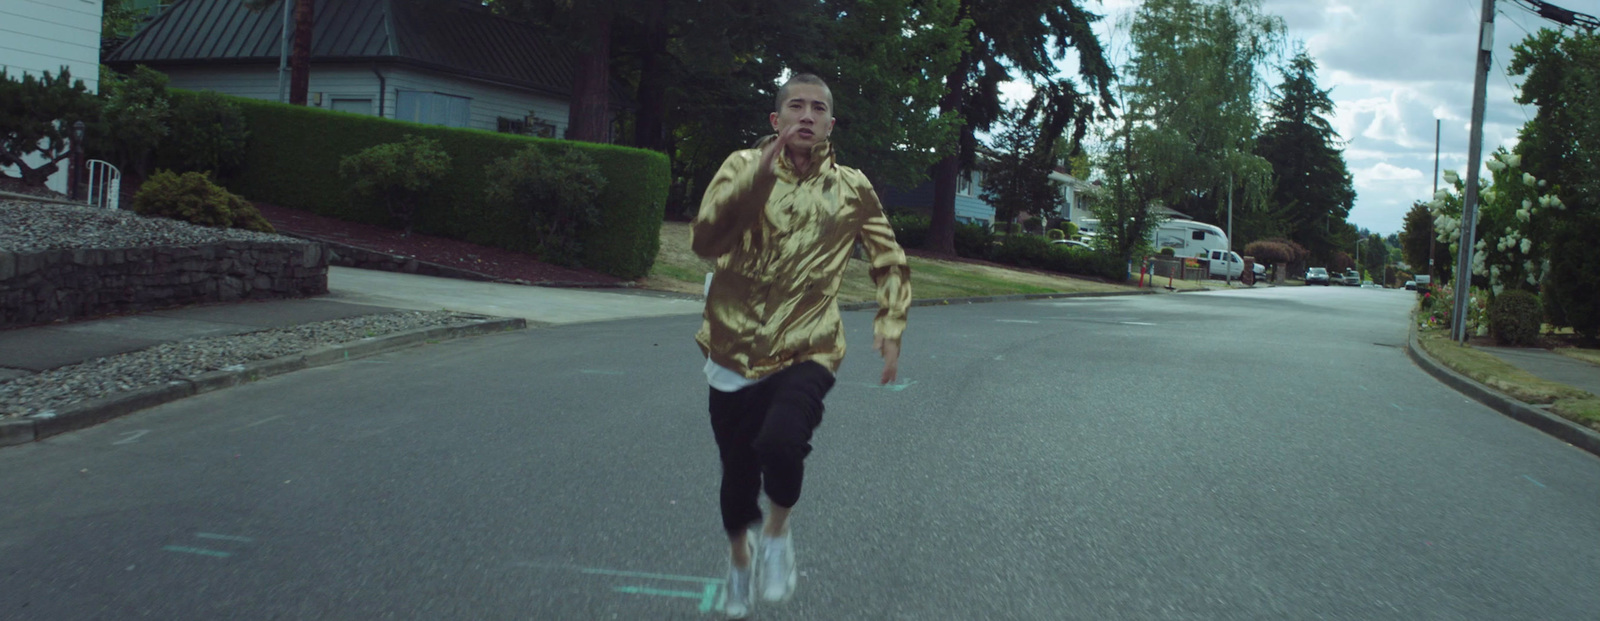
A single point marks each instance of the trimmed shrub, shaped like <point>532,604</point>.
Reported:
<point>1168,252</point>
<point>910,229</point>
<point>1515,318</point>
<point>556,194</point>
<point>397,175</point>
<point>293,158</point>
<point>1025,251</point>
<point>1055,234</point>
<point>207,134</point>
<point>974,241</point>
<point>192,197</point>
<point>1070,228</point>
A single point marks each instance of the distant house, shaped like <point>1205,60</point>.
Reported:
<point>970,209</point>
<point>47,35</point>
<point>447,64</point>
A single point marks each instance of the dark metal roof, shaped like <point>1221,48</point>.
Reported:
<point>462,39</point>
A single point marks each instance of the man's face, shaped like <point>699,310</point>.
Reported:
<point>809,106</point>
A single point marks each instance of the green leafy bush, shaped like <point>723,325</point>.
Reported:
<point>1026,251</point>
<point>135,113</point>
<point>1070,229</point>
<point>974,240</point>
<point>910,229</point>
<point>292,159</point>
<point>396,175</point>
<point>1570,295</point>
<point>207,134</point>
<point>1056,234</point>
<point>193,197</point>
<point>1515,317</point>
<point>557,194</point>
<point>1168,252</point>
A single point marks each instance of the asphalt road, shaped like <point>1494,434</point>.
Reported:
<point>1265,454</point>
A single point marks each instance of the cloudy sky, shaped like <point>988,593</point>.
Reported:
<point>1395,66</point>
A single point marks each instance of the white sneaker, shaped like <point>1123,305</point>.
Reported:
<point>738,598</point>
<point>778,576</point>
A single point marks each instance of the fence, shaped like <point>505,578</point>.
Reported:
<point>105,185</point>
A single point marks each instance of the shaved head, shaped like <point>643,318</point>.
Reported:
<point>803,78</point>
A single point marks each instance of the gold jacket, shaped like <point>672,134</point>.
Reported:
<point>772,301</point>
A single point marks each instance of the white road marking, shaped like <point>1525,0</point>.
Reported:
<point>132,435</point>
<point>263,421</point>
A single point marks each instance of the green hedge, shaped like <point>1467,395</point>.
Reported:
<point>293,161</point>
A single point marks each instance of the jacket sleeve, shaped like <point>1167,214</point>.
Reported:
<point>890,271</point>
<point>732,204</point>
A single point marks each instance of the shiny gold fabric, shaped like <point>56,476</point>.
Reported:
<point>772,300</point>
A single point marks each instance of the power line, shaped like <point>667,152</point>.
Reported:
<point>1560,15</point>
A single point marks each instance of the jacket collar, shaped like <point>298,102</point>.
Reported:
<point>821,159</point>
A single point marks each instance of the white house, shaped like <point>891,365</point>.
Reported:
<point>452,64</point>
<point>46,35</point>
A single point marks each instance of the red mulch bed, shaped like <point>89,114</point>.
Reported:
<point>495,262</point>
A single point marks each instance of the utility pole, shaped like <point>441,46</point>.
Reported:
<point>1227,272</point>
<point>1433,237</point>
<point>1469,211</point>
<point>283,55</point>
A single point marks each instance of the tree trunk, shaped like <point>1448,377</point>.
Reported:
<point>300,53</point>
<point>589,118</point>
<point>942,215</point>
<point>648,132</point>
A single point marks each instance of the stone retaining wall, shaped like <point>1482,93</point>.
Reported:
<point>41,287</point>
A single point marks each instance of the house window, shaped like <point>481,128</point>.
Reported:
<point>355,106</point>
<point>964,184</point>
<point>527,126</point>
<point>433,108</point>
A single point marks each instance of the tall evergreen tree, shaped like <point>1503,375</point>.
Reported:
<point>1005,35</point>
<point>1417,240</point>
<point>1314,186</point>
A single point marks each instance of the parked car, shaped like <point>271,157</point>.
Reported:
<point>1317,276</point>
<point>1071,244</point>
<point>1352,278</point>
<point>1411,285</point>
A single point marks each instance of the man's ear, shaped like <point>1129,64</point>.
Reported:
<point>773,118</point>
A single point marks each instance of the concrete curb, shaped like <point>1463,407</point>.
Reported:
<point>1563,429</point>
<point>90,413</point>
<point>856,306</point>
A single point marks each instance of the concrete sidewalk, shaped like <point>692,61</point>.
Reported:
<point>352,293</point>
<point>1551,366</point>
<point>543,305</point>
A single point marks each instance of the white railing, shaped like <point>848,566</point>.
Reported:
<point>105,184</point>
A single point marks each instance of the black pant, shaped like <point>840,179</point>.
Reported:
<point>763,435</point>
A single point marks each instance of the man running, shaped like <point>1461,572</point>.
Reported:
<point>780,220</point>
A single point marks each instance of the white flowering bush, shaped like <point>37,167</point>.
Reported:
<point>1514,210</point>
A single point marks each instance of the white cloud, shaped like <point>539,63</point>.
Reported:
<point>1383,171</point>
